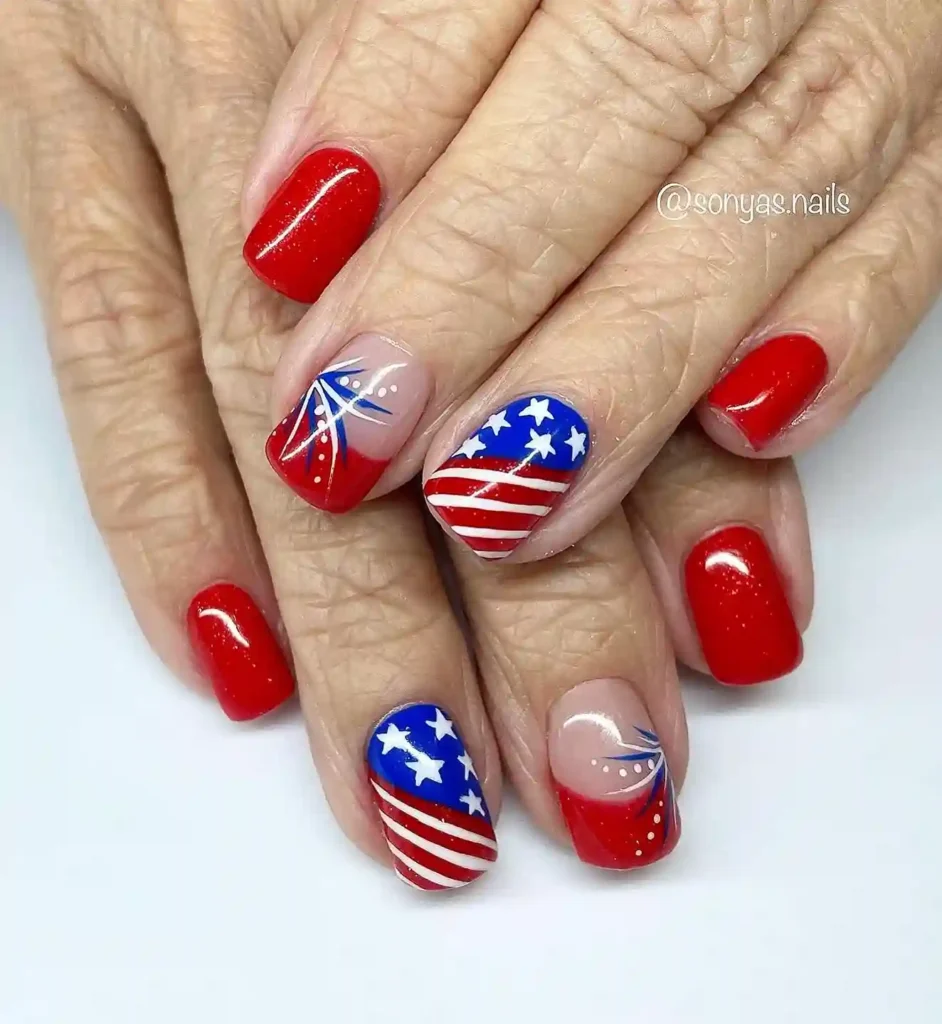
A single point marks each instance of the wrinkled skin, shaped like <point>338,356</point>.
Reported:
<point>128,127</point>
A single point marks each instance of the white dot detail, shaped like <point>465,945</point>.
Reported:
<point>651,764</point>
<point>321,424</point>
<point>657,819</point>
<point>319,410</point>
<point>593,762</point>
<point>344,381</point>
<point>356,385</point>
<point>321,457</point>
<point>638,769</point>
<point>650,835</point>
<point>604,767</point>
<point>382,392</point>
<point>637,853</point>
<point>394,388</point>
<point>317,479</point>
<point>622,772</point>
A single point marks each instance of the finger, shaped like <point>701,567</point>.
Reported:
<point>726,545</point>
<point>833,333</point>
<point>645,332</point>
<point>518,206</point>
<point>369,625</point>
<point>374,92</point>
<point>583,693</point>
<point>124,340</point>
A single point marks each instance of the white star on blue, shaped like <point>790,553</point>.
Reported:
<point>418,750</point>
<point>542,430</point>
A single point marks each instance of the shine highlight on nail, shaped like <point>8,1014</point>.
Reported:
<point>611,776</point>
<point>431,805</point>
<point>508,475</point>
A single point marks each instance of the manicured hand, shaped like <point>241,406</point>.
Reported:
<point>161,341</point>
<point>533,423</point>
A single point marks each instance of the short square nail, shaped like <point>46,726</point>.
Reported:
<point>740,608</point>
<point>314,223</point>
<point>769,388</point>
<point>435,819</point>
<point>509,474</point>
<point>611,775</point>
<point>237,650</point>
<point>346,428</point>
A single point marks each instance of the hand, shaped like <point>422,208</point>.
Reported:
<point>154,328</point>
<point>596,106</point>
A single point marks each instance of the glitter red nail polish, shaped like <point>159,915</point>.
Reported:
<point>740,608</point>
<point>237,650</point>
<point>314,223</point>
<point>771,386</point>
<point>611,776</point>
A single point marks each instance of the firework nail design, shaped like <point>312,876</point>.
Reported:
<point>333,447</point>
<point>612,778</point>
<point>432,807</point>
<point>508,475</point>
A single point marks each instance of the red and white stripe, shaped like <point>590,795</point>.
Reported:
<point>494,504</point>
<point>433,846</point>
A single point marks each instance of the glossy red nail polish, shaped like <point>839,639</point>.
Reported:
<point>314,223</point>
<point>611,776</point>
<point>237,650</point>
<point>771,386</point>
<point>740,609</point>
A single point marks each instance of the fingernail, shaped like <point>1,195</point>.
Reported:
<point>237,651</point>
<point>766,391</point>
<point>509,474</point>
<point>434,816</point>
<point>314,223</point>
<point>611,776</point>
<point>740,609</point>
<point>346,428</point>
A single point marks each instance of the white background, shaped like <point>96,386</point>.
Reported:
<point>159,865</point>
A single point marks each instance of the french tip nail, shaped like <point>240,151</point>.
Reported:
<point>336,443</point>
<point>611,775</point>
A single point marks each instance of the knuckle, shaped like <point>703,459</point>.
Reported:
<point>128,365</point>
<point>485,240</point>
<point>576,609</point>
<point>411,53</point>
<point>347,590</point>
<point>837,108</point>
<point>119,322</point>
<point>684,62</point>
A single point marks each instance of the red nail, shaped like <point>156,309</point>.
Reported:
<point>237,650</point>
<point>314,223</point>
<point>766,391</point>
<point>612,778</point>
<point>740,609</point>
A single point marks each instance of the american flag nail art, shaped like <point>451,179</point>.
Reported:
<point>430,802</point>
<point>507,476</point>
